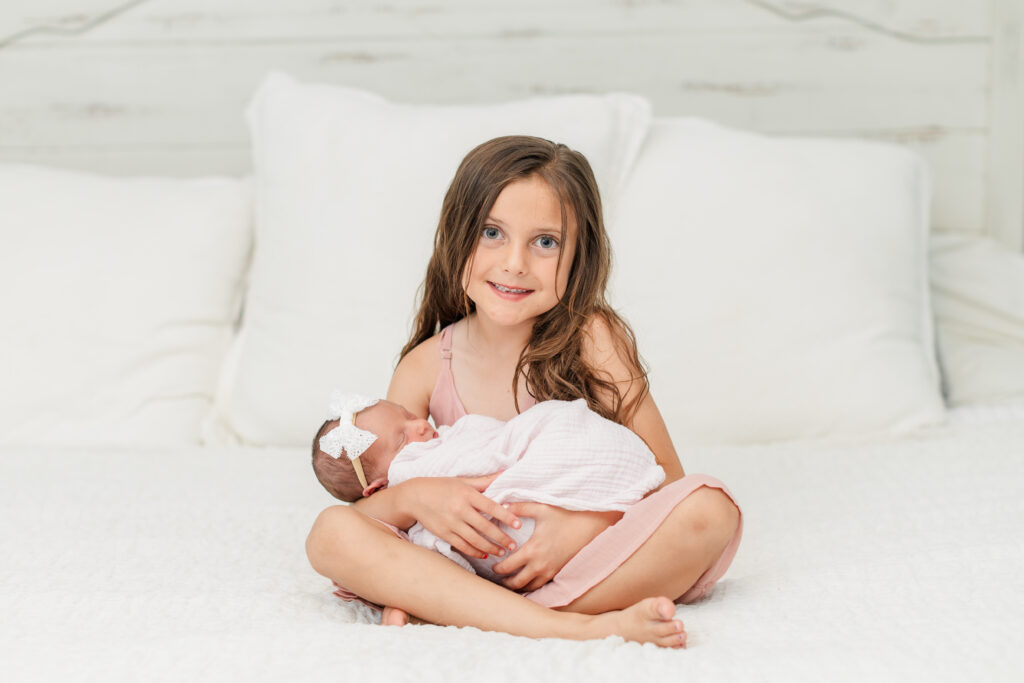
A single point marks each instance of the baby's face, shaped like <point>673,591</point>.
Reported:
<point>395,427</point>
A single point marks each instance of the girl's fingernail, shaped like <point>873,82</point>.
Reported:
<point>505,505</point>
<point>484,557</point>
<point>512,546</point>
<point>501,553</point>
<point>516,524</point>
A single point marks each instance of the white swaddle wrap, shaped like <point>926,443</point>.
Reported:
<point>557,452</point>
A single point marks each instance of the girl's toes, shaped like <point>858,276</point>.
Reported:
<point>670,628</point>
<point>676,640</point>
<point>660,608</point>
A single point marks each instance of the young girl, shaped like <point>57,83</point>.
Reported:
<point>514,312</point>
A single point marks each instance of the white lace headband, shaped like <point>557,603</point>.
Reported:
<point>346,436</point>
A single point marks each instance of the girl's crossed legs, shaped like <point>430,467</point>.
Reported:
<point>364,555</point>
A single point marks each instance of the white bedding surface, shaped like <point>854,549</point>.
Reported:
<point>894,560</point>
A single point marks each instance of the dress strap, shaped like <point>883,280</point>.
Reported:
<point>446,347</point>
<point>445,406</point>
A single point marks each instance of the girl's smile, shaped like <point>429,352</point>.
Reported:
<point>510,293</point>
<point>520,266</point>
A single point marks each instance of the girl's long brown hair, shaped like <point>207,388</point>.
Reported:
<point>552,360</point>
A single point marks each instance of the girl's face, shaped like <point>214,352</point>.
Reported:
<point>515,274</point>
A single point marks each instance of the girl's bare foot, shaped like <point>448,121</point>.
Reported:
<point>649,621</point>
<point>392,616</point>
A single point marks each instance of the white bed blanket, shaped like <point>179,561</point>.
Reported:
<point>892,560</point>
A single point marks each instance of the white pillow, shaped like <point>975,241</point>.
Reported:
<point>117,301</point>
<point>349,189</point>
<point>978,293</point>
<point>778,285</point>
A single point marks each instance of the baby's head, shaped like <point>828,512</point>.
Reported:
<point>389,425</point>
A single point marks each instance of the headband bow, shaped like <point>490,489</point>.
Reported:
<point>343,407</point>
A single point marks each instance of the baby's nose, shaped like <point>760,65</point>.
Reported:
<point>422,428</point>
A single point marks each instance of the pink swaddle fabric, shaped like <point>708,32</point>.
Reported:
<point>557,452</point>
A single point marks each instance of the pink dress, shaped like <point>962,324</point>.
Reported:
<point>599,558</point>
<point>445,405</point>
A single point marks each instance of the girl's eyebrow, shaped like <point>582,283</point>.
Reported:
<point>537,230</point>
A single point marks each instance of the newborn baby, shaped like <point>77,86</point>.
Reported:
<point>557,452</point>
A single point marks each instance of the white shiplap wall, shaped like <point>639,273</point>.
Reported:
<point>159,86</point>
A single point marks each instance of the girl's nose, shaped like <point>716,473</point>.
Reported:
<point>515,261</point>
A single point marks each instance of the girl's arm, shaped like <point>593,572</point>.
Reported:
<point>649,426</point>
<point>647,423</point>
<point>452,508</point>
<point>560,534</point>
<point>414,378</point>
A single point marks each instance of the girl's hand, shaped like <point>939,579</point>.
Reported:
<point>557,536</point>
<point>453,509</point>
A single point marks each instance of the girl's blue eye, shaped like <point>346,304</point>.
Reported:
<point>547,242</point>
<point>491,233</point>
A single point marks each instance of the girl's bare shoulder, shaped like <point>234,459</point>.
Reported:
<point>414,378</point>
<point>605,340</point>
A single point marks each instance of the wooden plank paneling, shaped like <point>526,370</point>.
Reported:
<point>1005,172</point>
<point>181,161</point>
<point>159,86</point>
<point>169,94</point>
<point>248,20</point>
<point>920,19</point>
<point>23,19</point>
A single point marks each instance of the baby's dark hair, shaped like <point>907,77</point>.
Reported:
<point>336,474</point>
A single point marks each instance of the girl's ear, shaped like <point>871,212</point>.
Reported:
<point>375,485</point>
